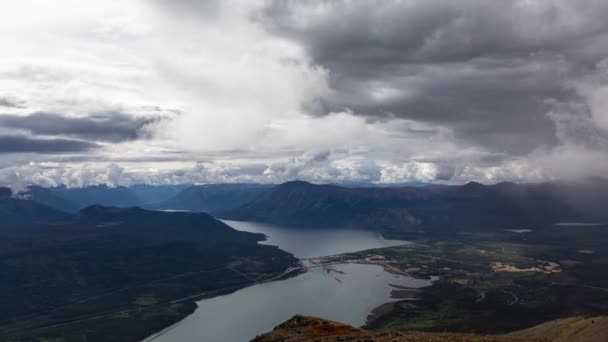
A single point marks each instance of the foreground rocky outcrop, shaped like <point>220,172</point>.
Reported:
<point>303,328</point>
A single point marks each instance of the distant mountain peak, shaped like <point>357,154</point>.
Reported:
<point>473,184</point>
<point>297,183</point>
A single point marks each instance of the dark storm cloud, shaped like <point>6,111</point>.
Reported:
<point>108,127</point>
<point>484,68</point>
<point>22,144</point>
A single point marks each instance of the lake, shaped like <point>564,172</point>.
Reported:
<point>314,242</point>
<point>347,295</point>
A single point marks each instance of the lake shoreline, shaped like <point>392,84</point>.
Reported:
<point>398,293</point>
<point>288,273</point>
<point>351,290</point>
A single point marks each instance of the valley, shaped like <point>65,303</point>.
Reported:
<point>343,291</point>
<point>297,171</point>
<point>464,259</point>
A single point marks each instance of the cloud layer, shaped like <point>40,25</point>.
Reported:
<point>489,70</point>
<point>110,127</point>
<point>329,91</point>
<point>21,144</point>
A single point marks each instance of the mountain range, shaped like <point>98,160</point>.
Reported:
<point>407,209</point>
<point>208,197</point>
<point>470,206</point>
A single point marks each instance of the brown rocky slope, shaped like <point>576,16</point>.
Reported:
<point>304,328</point>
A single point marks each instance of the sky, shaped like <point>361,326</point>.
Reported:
<point>392,91</point>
